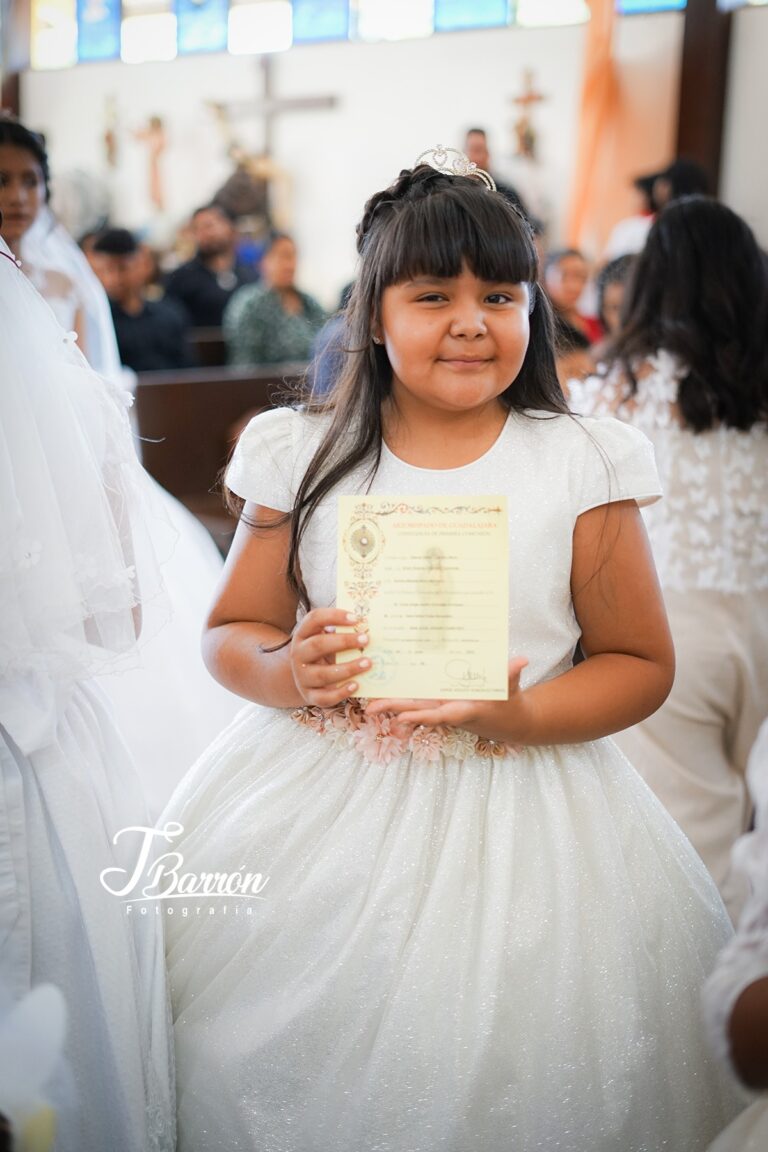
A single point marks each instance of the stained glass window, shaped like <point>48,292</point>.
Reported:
<point>98,29</point>
<point>53,42</point>
<point>393,19</point>
<point>259,26</point>
<point>201,25</point>
<point>315,20</point>
<point>542,13</point>
<point>636,6</point>
<point>148,31</point>
<point>452,15</point>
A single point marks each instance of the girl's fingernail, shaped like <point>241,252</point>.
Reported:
<point>351,687</point>
<point>329,628</point>
<point>365,663</point>
<point>352,617</point>
<point>362,638</point>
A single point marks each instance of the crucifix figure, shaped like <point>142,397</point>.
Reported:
<point>256,175</point>
<point>524,131</point>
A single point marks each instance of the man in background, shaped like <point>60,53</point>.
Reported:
<point>205,283</point>
<point>476,150</point>
<point>151,334</point>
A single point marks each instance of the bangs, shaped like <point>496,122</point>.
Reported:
<point>436,235</point>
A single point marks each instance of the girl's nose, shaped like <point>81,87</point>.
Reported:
<point>468,321</point>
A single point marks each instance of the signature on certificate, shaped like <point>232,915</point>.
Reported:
<point>462,672</point>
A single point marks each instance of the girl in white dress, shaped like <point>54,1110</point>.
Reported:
<point>72,508</point>
<point>690,369</point>
<point>480,929</point>
<point>168,708</point>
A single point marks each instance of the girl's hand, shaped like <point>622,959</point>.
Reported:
<point>475,715</point>
<point>319,679</point>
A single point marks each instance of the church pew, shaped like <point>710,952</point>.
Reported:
<point>188,421</point>
<point>209,347</point>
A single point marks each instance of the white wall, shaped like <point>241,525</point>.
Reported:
<point>394,101</point>
<point>744,178</point>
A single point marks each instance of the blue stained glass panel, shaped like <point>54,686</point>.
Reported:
<point>98,30</point>
<point>320,20</point>
<point>628,6</point>
<point>451,15</point>
<point>201,25</point>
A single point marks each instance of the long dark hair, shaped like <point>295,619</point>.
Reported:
<point>426,224</point>
<point>13,132</point>
<point>700,290</point>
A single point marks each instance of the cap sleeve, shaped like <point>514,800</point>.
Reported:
<point>618,464</point>
<point>262,464</point>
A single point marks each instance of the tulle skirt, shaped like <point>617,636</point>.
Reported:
<point>454,955</point>
<point>170,708</point>
<point>748,1133</point>
<point>59,811</point>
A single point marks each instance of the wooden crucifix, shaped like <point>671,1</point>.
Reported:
<point>261,167</point>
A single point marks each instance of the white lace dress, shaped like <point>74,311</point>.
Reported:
<point>457,948</point>
<point>710,541</point>
<point>745,959</point>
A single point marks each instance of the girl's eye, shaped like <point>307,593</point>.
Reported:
<point>500,298</point>
<point>430,297</point>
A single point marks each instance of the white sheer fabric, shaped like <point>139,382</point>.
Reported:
<point>75,559</point>
<point>169,707</point>
<point>48,252</point>
<point>75,568</point>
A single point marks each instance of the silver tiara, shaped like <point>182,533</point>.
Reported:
<point>454,163</point>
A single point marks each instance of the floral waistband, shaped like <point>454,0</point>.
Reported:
<point>351,727</point>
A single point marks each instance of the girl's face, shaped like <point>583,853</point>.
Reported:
<point>22,191</point>
<point>566,280</point>
<point>455,343</point>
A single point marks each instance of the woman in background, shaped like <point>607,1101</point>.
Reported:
<point>690,368</point>
<point>273,322</point>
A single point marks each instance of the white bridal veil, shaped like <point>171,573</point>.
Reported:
<point>75,557</point>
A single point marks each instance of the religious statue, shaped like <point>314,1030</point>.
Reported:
<point>525,133</point>
<point>110,131</point>
<point>154,136</point>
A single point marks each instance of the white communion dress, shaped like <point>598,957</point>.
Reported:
<point>168,708</point>
<point>75,570</point>
<point>458,948</point>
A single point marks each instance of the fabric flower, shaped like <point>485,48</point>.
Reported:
<point>375,741</point>
<point>426,744</point>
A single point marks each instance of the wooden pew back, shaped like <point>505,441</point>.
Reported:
<point>188,421</point>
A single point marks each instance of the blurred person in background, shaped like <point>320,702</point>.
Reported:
<point>273,322</point>
<point>205,284</point>
<point>151,334</point>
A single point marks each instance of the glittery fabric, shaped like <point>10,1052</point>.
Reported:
<point>458,954</point>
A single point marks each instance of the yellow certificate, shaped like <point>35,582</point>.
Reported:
<point>430,577</point>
